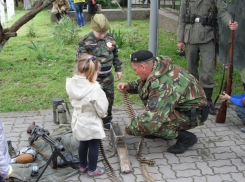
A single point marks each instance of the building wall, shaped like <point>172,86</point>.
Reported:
<point>168,18</point>
<point>113,14</point>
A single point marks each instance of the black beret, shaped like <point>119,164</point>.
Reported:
<point>141,56</point>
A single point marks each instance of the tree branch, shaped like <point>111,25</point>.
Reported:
<point>5,34</point>
<point>40,5</point>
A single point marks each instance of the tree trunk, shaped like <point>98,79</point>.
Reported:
<point>27,4</point>
<point>6,34</point>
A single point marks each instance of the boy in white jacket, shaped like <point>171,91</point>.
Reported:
<point>90,105</point>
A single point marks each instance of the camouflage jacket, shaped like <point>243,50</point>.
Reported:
<point>105,50</point>
<point>196,33</point>
<point>168,91</point>
<point>58,3</point>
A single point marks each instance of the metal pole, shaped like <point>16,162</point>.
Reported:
<point>153,35</point>
<point>129,12</point>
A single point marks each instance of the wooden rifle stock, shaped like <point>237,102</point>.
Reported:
<point>221,116</point>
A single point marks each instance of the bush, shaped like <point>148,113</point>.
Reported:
<point>66,29</point>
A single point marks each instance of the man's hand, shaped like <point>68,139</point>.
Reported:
<point>233,26</point>
<point>118,75</point>
<point>181,46</point>
<point>122,87</point>
<point>224,97</point>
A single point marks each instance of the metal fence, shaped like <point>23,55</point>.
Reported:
<point>146,3</point>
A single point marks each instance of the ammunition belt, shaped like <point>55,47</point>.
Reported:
<point>109,169</point>
<point>144,162</point>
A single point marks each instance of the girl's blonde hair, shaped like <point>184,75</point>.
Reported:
<point>88,65</point>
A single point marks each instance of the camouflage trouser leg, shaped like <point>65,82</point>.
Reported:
<point>21,172</point>
<point>167,130</point>
<point>107,84</point>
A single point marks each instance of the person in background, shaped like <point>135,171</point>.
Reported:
<point>71,5</point>
<point>102,44</point>
<point>6,169</point>
<point>78,6</point>
<point>196,35</point>
<point>92,7</point>
<point>90,105</point>
<point>60,7</point>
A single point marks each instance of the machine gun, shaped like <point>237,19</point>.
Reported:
<point>55,145</point>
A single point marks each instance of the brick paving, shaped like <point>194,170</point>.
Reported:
<point>219,154</point>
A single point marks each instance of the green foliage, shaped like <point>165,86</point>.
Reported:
<point>41,51</point>
<point>133,40</point>
<point>31,31</point>
<point>66,30</point>
<point>119,37</point>
<point>104,3</point>
<point>59,42</point>
<point>231,1</point>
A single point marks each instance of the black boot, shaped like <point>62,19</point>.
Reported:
<point>185,140</point>
<point>209,92</point>
<point>58,16</point>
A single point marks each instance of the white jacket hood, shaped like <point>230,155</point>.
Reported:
<point>78,87</point>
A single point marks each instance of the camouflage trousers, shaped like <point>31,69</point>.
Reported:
<point>167,130</point>
<point>107,85</point>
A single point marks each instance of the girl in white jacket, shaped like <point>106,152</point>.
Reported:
<point>90,105</point>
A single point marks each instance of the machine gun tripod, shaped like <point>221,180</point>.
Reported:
<point>55,145</point>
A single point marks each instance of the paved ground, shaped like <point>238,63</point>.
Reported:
<point>219,154</point>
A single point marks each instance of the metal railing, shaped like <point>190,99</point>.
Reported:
<point>146,3</point>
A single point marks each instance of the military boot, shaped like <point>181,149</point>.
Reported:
<point>212,109</point>
<point>58,16</point>
<point>208,93</point>
<point>185,140</point>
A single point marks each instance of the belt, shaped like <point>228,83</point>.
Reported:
<point>188,113</point>
<point>104,75</point>
<point>192,114</point>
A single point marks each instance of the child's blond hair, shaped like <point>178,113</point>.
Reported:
<point>88,65</point>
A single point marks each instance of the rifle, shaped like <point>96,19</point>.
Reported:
<point>37,132</point>
<point>216,43</point>
<point>221,116</point>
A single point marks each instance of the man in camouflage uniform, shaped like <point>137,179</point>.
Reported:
<point>60,7</point>
<point>174,100</point>
<point>195,34</point>
<point>102,44</point>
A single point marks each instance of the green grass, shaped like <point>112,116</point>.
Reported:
<point>29,82</point>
